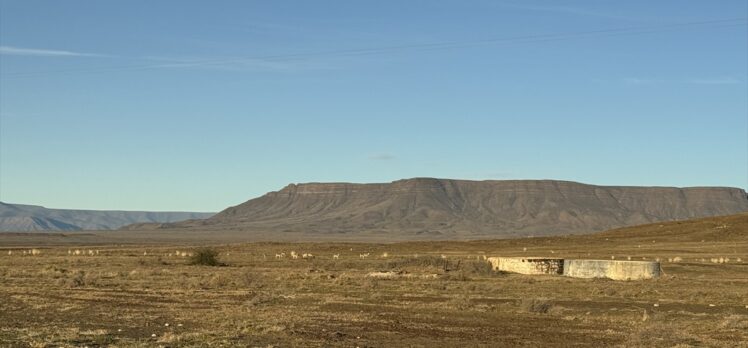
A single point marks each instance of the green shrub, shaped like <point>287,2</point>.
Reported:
<point>205,257</point>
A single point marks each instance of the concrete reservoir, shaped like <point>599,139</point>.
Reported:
<point>617,270</point>
<point>527,265</point>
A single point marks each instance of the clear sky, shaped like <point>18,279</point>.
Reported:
<point>198,105</point>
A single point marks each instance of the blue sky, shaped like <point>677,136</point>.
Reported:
<point>197,105</point>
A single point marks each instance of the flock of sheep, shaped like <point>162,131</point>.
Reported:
<point>294,255</point>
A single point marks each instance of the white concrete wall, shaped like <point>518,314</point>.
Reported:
<point>618,270</point>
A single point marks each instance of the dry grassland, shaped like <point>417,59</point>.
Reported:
<point>420,294</point>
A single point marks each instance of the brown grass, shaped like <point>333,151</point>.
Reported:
<point>123,298</point>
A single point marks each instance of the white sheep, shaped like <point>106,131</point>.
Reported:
<point>385,255</point>
<point>307,256</point>
<point>363,256</point>
<point>294,255</point>
<point>335,256</point>
<point>278,256</point>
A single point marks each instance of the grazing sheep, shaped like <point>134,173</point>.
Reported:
<point>385,255</point>
<point>363,256</point>
<point>10,252</point>
<point>720,260</point>
<point>335,256</point>
<point>307,256</point>
<point>35,252</point>
<point>443,256</point>
<point>278,256</point>
<point>294,255</point>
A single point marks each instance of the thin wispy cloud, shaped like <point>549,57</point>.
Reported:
<point>692,81</point>
<point>382,157</point>
<point>641,81</point>
<point>716,81</point>
<point>236,64</point>
<point>564,10</point>
<point>41,52</point>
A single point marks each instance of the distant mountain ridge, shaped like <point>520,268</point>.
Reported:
<point>24,218</point>
<point>445,207</point>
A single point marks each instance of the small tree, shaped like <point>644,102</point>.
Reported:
<point>205,257</point>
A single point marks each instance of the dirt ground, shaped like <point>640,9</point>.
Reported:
<point>410,294</point>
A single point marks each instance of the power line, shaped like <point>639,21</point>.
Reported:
<point>536,38</point>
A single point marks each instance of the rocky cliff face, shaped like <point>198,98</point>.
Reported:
<point>459,207</point>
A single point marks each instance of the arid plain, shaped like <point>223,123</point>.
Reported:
<point>135,293</point>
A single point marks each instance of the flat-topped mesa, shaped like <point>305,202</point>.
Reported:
<point>445,207</point>
<point>319,188</point>
<point>405,185</point>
